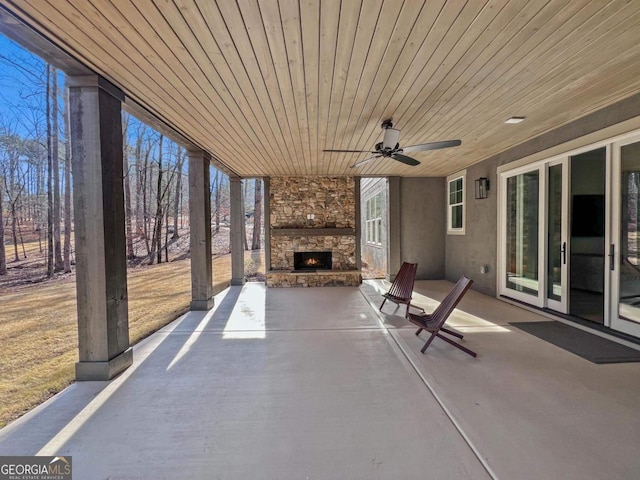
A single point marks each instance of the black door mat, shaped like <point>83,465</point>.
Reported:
<point>587,345</point>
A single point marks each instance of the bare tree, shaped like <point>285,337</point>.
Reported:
<point>257,214</point>
<point>3,257</point>
<point>55,161</point>
<point>178,196</point>
<point>67,186</point>
<point>50,267</point>
<point>127,186</point>
<point>217,180</point>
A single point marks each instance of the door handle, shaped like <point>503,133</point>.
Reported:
<point>563,249</point>
<point>612,257</point>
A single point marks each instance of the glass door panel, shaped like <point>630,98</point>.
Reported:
<point>557,255</point>
<point>629,241</point>
<point>522,243</point>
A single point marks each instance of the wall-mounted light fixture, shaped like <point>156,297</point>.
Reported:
<point>482,188</point>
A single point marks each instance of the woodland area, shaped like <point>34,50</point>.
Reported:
<point>36,208</point>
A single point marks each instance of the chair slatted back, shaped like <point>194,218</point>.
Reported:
<point>402,286</point>
<point>440,314</point>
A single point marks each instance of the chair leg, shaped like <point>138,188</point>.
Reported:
<point>451,332</point>
<point>383,303</point>
<point>418,332</point>
<point>433,335</point>
<point>455,344</point>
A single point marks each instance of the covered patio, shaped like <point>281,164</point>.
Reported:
<point>317,383</point>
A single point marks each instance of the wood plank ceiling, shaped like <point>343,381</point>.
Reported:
<point>266,85</point>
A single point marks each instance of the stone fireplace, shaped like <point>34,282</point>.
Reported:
<point>312,217</point>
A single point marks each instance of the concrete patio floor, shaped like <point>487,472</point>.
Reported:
<point>316,383</point>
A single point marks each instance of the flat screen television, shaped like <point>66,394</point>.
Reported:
<point>587,216</point>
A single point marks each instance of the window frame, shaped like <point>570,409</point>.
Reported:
<point>373,222</point>
<point>450,206</point>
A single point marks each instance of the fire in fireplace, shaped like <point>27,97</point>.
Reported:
<point>312,260</point>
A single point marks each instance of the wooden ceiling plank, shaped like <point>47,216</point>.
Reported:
<point>198,113</point>
<point>390,37</point>
<point>548,92</point>
<point>517,65</point>
<point>221,62</point>
<point>291,28</point>
<point>276,42</point>
<point>409,34</point>
<point>179,37</point>
<point>364,41</point>
<point>87,48</point>
<point>481,47</point>
<point>310,28</point>
<point>329,21</point>
<point>347,26</point>
<point>388,104</point>
<point>155,50</point>
<point>435,78</point>
<point>258,50</point>
<point>567,68</point>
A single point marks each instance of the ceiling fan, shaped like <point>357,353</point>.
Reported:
<point>389,147</point>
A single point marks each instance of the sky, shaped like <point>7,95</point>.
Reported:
<point>22,87</point>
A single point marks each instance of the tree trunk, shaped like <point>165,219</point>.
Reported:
<point>156,243</point>
<point>3,257</point>
<point>59,265</point>
<point>257,215</point>
<point>14,231</point>
<point>67,187</point>
<point>159,209</point>
<point>127,188</point>
<point>217,184</point>
<point>49,180</point>
<point>176,200</point>
<point>145,208</point>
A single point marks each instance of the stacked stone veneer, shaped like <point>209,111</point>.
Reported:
<point>331,203</point>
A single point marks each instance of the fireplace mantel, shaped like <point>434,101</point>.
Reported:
<point>302,232</point>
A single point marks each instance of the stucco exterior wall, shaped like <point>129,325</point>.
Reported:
<point>466,254</point>
<point>422,224</point>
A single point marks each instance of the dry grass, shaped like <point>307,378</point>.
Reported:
<point>38,327</point>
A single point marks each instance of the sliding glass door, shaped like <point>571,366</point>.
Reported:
<point>535,254</point>
<point>626,263</point>
<point>569,237</point>
<point>557,236</point>
<point>521,234</point>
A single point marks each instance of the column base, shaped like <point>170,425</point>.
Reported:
<point>201,305</point>
<point>238,281</point>
<point>101,371</point>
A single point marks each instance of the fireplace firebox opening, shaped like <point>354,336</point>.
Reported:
<point>312,261</point>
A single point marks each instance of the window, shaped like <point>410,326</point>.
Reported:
<point>373,230</point>
<point>455,204</point>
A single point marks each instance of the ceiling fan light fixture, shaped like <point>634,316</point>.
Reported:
<point>391,137</point>
<point>514,120</point>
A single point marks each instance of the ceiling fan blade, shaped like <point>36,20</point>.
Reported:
<point>404,159</point>
<point>432,146</point>
<point>350,151</point>
<point>362,162</point>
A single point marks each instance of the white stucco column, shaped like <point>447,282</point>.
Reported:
<point>200,228</point>
<point>98,201</point>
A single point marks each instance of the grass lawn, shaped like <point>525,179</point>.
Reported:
<point>38,326</point>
